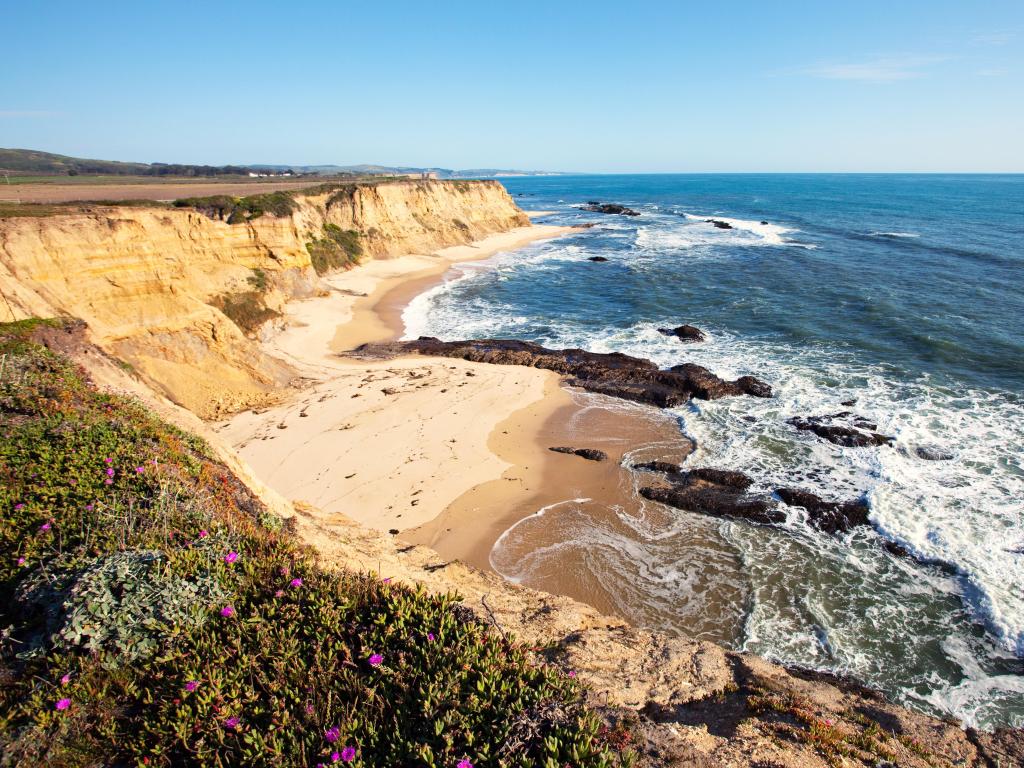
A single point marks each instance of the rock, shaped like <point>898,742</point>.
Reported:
<point>597,258</point>
<point>849,403</point>
<point>613,374</point>
<point>591,454</point>
<point>842,429</point>
<point>724,477</point>
<point>716,492</point>
<point>764,222</point>
<point>593,206</point>
<point>659,466</point>
<point>932,453</point>
<point>719,224</point>
<point>828,516</point>
<point>684,333</point>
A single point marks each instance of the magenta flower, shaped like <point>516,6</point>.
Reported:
<point>431,637</point>
<point>19,506</point>
<point>279,593</point>
<point>332,734</point>
<point>375,660</point>
<point>231,723</point>
<point>110,471</point>
<point>572,673</point>
<point>203,534</point>
<point>108,481</point>
<point>140,470</point>
<point>44,527</point>
<point>387,580</point>
<point>464,764</point>
<point>191,685</point>
<point>108,461</point>
<point>21,561</point>
<point>227,611</point>
<point>348,754</point>
<point>295,583</point>
<point>65,679</point>
<point>63,704</point>
<point>335,757</point>
<point>230,557</point>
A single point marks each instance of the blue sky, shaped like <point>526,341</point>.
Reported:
<point>578,86</point>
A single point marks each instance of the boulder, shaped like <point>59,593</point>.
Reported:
<point>719,224</point>
<point>593,206</point>
<point>828,516</point>
<point>597,258</point>
<point>842,428</point>
<point>666,467</point>
<point>591,454</point>
<point>686,333</point>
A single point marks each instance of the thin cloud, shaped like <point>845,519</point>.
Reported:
<point>878,69</point>
<point>994,38</point>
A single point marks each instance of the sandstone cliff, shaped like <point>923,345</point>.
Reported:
<point>153,283</point>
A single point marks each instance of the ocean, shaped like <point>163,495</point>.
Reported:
<point>903,293</point>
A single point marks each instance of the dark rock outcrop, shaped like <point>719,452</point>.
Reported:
<point>719,224</point>
<point>666,467</point>
<point>597,258</point>
<point>716,492</point>
<point>932,453</point>
<point>613,374</point>
<point>593,206</point>
<point>686,333</point>
<point>842,428</point>
<point>828,516</point>
<point>591,454</point>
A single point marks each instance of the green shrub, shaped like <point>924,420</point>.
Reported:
<point>238,210</point>
<point>337,249</point>
<point>182,628</point>
<point>247,309</point>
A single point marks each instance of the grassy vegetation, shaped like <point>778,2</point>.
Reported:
<point>235,210</point>
<point>155,614</point>
<point>337,249</point>
<point>246,310</point>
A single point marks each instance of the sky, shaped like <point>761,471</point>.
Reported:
<point>616,87</point>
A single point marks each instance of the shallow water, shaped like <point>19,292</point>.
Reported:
<point>901,292</point>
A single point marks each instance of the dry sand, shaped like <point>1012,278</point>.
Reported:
<point>389,444</point>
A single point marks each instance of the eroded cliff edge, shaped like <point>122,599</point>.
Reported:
<point>156,284</point>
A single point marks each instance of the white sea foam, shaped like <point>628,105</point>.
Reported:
<point>893,234</point>
<point>770,234</point>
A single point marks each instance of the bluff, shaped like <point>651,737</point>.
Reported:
<point>177,292</point>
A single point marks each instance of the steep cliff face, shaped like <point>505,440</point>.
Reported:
<point>151,282</point>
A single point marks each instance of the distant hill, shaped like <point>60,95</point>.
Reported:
<point>32,163</point>
<point>29,162</point>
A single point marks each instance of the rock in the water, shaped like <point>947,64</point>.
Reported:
<point>932,453</point>
<point>597,258</point>
<point>764,222</point>
<point>613,374</point>
<point>593,206</point>
<point>660,466</point>
<point>842,429</point>
<point>828,516</point>
<point>719,224</point>
<point>591,454</point>
<point>684,333</point>
<point>716,492</point>
<point>725,477</point>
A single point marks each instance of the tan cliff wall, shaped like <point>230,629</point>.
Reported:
<point>148,281</point>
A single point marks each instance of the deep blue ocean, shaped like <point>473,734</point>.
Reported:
<point>902,292</point>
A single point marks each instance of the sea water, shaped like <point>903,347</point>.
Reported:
<point>903,293</point>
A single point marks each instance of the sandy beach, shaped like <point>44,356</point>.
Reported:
<point>389,444</point>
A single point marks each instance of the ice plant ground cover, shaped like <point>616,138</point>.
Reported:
<point>153,613</point>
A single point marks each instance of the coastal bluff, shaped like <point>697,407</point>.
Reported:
<point>180,293</point>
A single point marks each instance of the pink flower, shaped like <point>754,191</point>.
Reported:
<point>387,580</point>
<point>19,506</point>
<point>348,754</point>
<point>335,757</point>
<point>295,583</point>
<point>572,673</point>
<point>108,461</point>
<point>203,534</point>
<point>140,470</point>
<point>110,471</point>
<point>21,561</point>
<point>191,685</point>
<point>108,481</point>
<point>464,764</point>
<point>230,557</point>
<point>45,527</point>
<point>279,593</point>
<point>63,704</point>
<point>431,637</point>
<point>231,723</point>
<point>332,734</point>
<point>227,611</point>
<point>375,660</point>
<point>65,679</point>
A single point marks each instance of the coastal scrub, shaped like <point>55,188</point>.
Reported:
<point>162,617</point>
